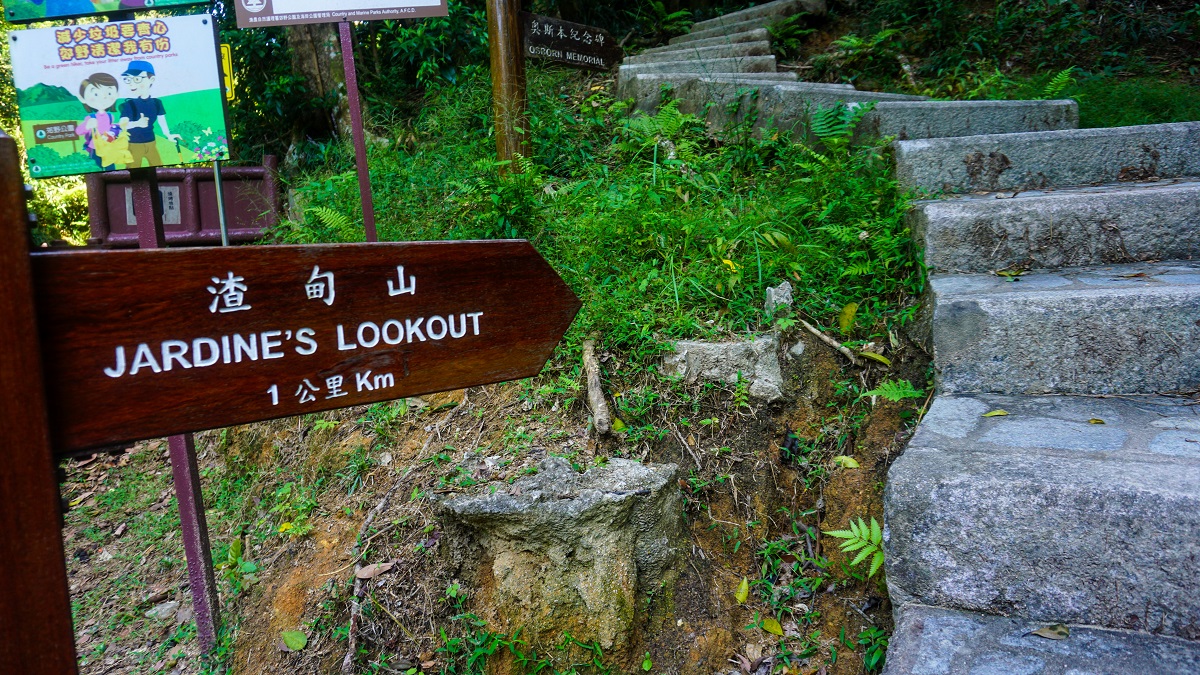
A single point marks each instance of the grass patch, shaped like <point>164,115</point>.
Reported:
<point>663,231</point>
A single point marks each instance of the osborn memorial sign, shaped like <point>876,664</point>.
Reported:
<point>141,344</point>
<point>573,44</point>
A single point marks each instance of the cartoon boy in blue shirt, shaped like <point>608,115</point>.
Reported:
<point>140,112</point>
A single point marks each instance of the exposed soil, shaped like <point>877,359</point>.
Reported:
<point>743,489</point>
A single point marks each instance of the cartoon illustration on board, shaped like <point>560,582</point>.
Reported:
<point>139,113</point>
<point>102,133</point>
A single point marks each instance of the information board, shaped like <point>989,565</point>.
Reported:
<point>40,10</point>
<point>121,95</point>
<point>257,13</point>
<point>142,344</point>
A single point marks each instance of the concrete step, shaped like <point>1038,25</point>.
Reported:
<point>1073,227</point>
<point>1119,329</point>
<point>695,90</point>
<point>761,48</point>
<point>1040,160</point>
<point>723,30</point>
<point>743,64</point>
<point>937,641</point>
<point>756,35</point>
<point>646,88</point>
<point>942,119</point>
<point>780,9</point>
<point>1045,515</point>
<point>785,104</point>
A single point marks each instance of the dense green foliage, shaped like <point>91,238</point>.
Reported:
<point>948,38</point>
<point>662,231</point>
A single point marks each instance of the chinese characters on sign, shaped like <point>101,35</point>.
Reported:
<point>260,13</point>
<point>570,43</point>
<point>228,336</point>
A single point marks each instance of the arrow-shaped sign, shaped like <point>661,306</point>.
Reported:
<point>141,344</point>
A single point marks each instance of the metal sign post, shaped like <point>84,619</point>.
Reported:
<point>147,207</point>
<point>360,135</point>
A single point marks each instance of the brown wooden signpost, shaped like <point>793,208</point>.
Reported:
<point>137,344</point>
<point>572,44</point>
<point>142,344</point>
<point>513,36</point>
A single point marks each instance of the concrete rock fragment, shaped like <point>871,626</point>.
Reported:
<point>757,361</point>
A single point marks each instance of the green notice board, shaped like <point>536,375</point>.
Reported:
<point>38,10</point>
<point>121,95</point>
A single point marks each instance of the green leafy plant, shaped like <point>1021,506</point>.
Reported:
<point>874,643</point>
<point>868,541</point>
<point>1061,80</point>
<point>894,391</point>
<point>236,570</point>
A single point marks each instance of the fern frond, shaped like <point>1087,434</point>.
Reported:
<point>895,391</point>
<point>1060,81</point>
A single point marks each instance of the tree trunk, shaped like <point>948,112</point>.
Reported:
<point>316,55</point>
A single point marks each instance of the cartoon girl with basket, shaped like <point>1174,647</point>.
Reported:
<point>101,130</point>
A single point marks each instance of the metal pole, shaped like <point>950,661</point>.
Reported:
<point>220,202</point>
<point>510,100</point>
<point>36,635</point>
<point>147,208</point>
<point>360,135</point>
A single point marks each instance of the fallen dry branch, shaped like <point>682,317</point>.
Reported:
<point>831,342</point>
<point>356,599</point>
<point>600,415</point>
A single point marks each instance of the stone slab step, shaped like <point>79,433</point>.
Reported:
<point>937,641</point>
<point>942,119</point>
<point>1046,516</point>
<point>784,104</point>
<point>647,87</point>
<point>1072,227</point>
<point>761,48</point>
<point>776,10</point>
<point>743,64</point>
<point>724,29</point>
<point>1119,329</point>
<point>756,35</point>
<point>692,89</point>
<point>1041,160</point>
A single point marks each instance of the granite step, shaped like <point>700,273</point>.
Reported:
<point>1069,509</point>
<point>742,64</point>
<point>779,9</point>
<point>1040,160</point>
<point>944,119</point>
<point>756,35</point>
<point>1119,329</point>
<point>938,641</point>
<point>1072,227</point>
<point>760,48</point>
<point>724,29</point>
<point>784,105</point>
<point>730,97</point>
<point>646,88</point>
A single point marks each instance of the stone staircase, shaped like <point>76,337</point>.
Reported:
<point>1073,508</point>
<point>1081,505</point>
<point>724,71</point>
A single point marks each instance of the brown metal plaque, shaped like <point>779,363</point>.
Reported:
<point>573,44</point>
<point>259,13</point>
<point>141,344</point>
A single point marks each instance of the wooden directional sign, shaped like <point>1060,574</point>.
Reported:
<point>258,13</point>
<point>140,344</point>
<point>573,44</point>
